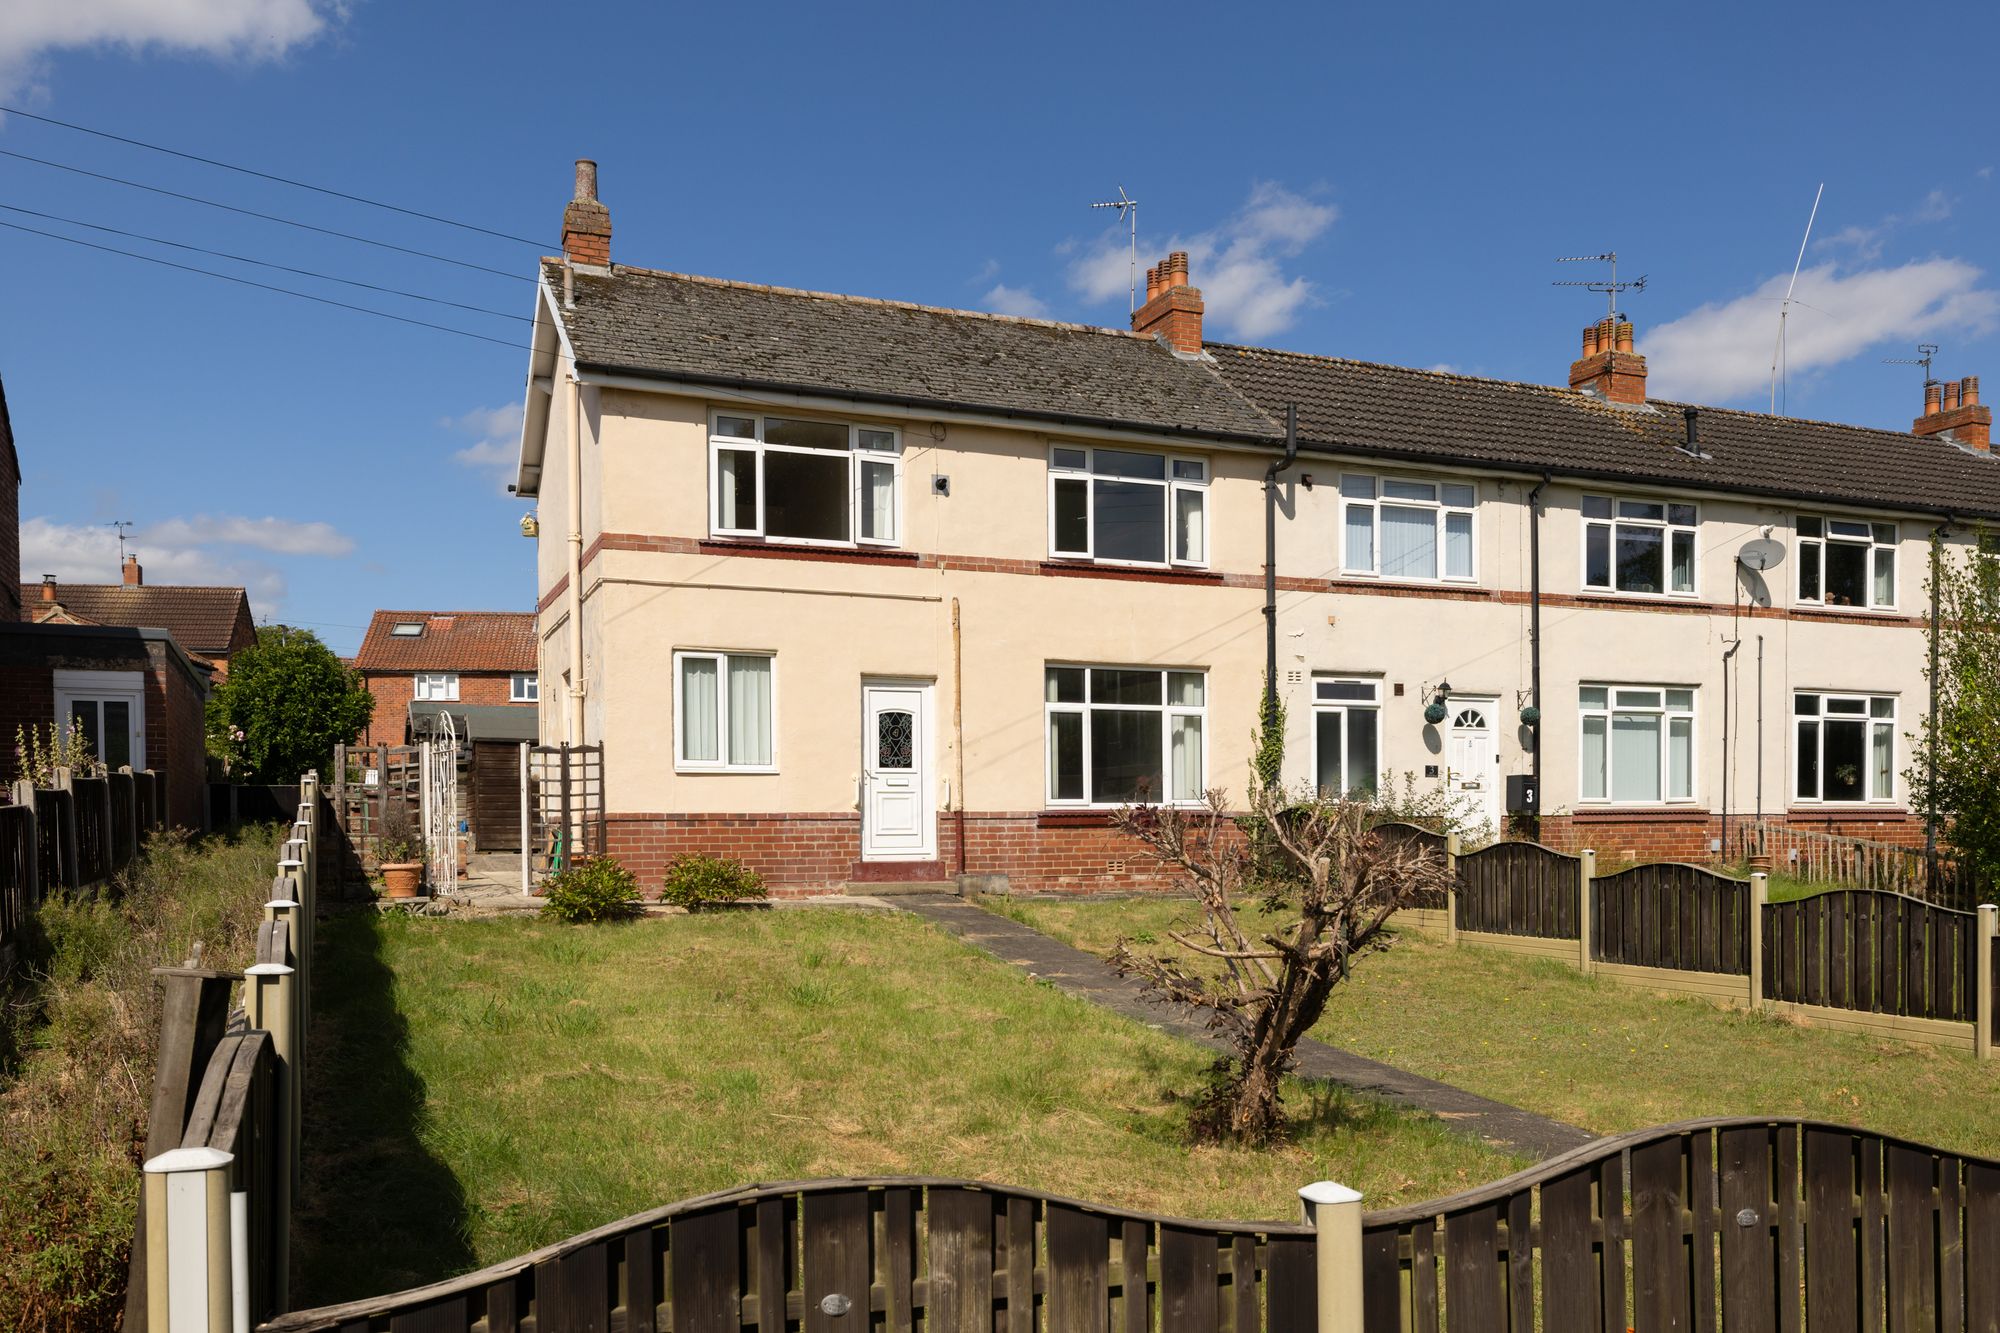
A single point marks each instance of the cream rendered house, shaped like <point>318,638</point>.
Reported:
<point>863,590</point>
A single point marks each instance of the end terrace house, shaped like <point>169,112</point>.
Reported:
<point>856,589</point>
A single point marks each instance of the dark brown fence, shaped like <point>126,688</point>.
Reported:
<point>92,799</point>
<point>146,800</point>
<point>1411,835</point>
<point>121,799</point>
<point>56,858</point>
<point>20,882</point>
<point>1671,916</point>
<point>1875,952</point>
<point>1520,888</point>
<point>1763,1223</point>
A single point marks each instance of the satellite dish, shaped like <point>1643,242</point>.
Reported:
<point>1761,554</point>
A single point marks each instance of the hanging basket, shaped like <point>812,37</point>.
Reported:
<point>1531,716</point>
<point>1434,713</point>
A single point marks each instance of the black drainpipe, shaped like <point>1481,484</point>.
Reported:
<point>1930,730</point>
<point>1535,641</point>
<point>1271,559</point>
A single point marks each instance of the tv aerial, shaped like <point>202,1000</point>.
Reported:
<point>1780,354</point>
<point>1926,353</point>
<point>1128,213</point>
<point>1610,287</point>
<point>123,525</point>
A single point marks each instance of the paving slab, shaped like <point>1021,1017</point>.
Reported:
<point>1085,975</point>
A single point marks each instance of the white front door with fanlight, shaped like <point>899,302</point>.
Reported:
<point>1472,758</point>
<point>898,818</point>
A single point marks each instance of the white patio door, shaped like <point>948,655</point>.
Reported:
<point>898,820</point>
<point>1473,755</point>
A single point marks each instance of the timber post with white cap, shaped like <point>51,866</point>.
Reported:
<point>1334,1211</point>
<point>189,1283</point>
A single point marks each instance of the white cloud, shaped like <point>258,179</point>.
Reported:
<point>1016,301</point>
<point>1723,350</point>
<point>278,535</point>
<point>1444,368</point>
<point>88,553</point>
<point>496,446</point>
<point>1239,265</point>
<point>32,30</point>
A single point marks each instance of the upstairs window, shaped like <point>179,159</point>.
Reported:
<point>1127,508</point>
<point>1397,528</point>
<point>437,686</point>
<point>1121,735</point>
<point>1846,747</point>
<point>1643,548</point>
<point>524,687</point>
<point>1847,562</point>
<point>407,629</point>
<point>786,479</point>
<point>1637,744</point>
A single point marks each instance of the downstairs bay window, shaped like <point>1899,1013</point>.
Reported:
<point>723,712</point>
<point>1845,747</point>
<point>1124,735</point>
<point>1637,744</point>
<point>786,479</point>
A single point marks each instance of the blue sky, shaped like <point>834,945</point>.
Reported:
<point>1383,182</point>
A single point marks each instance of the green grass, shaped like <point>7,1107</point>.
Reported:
<point>481,1088</point>
<point>1596,1053</point>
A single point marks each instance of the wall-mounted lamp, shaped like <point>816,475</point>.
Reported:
<point>1306,480</point>
<point>1434,711</point>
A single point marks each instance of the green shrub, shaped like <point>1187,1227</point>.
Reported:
<point>695,880</point>
<point>598,889</point>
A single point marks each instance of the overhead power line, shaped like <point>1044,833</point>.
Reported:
<point>265,286</point>
<point>265,175</point>
<point>266,217</point>
<point>265,263</point>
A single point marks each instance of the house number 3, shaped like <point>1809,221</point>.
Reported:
<point>835,1304</point>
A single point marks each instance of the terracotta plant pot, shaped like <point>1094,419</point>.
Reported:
<point>401,879</point>
<point>1761,861</point>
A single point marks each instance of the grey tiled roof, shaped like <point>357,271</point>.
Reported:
<point>671,325</point>
<point>1433,416</point>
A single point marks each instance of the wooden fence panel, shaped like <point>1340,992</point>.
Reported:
<point>91,799</point>
<point>20,886</point>
<point>1411,835</point>
<point>1872,952</point>
<point>1520,888</point>
<point>1672,916</point>
<point>53,809</point>
<point>120,797</point>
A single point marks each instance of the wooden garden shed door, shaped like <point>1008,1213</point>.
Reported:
<point>496,796</point>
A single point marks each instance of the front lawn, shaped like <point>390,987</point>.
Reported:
<point>480,1088</point>
<point>1594,1052</point>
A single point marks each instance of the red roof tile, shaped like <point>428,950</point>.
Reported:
<point>449,641</point>
<point>212,621</point>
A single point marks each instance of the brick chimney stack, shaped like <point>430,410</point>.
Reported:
<point>1173,309</point>
<point>1609,367</point>
<point>1954,411</point>
<point>134,576</point>
<point>48,587</point>
<point>586,222</point>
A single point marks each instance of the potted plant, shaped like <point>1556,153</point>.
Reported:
<point>399,854</point>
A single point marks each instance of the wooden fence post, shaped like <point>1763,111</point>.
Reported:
<point>1334,1213</point>
<point>189,1287</point>
<point>527,830</point>
<point>1760,894</point>
<point>1451,888</point>
<point>23,795</point>
<point>273,995</point>
<point>1588,857</point>
<point>1982,967</point>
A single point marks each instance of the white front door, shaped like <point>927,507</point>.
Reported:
<point>898,822</point>
<point>1473,759</point>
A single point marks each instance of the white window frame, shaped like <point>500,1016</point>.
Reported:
<point>721,764</point>
<point>1666,713</point>
<point>434,687</point>
<point>1171,486</point>
<point>1871,723</point>
<point>406,629</point>
<point>1876,547</point>
<point>1166,710</point>
<point>855,453</point>
<point>1437,503</point>
<point>1664,525</point>
<point>1345,707</point>
<point>524,687</point>
<point>127,687</point>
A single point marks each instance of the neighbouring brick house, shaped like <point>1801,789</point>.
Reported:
<point>477,658</point>
<point>212,623</point>
<point>856,589</point>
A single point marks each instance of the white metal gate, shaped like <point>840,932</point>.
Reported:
<point>440,806</point>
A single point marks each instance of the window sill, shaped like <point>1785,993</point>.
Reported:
<point>1091,569</point>
<point>1640,598</point>
<point>1641,814</point>
<point>1854,811</point>
<point>752,546</point>
<point>1810,609</point>
<point>699,771</point>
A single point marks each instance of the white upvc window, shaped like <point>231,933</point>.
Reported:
<point>1637,744</point>
<point>1347,735</point>
<point>1127,507</point>
<point>437,686</point>
<point>108,710</point>
<point>1642,548</point>
<point>725,712</point>
<point>1847,562</point>
<point>1845,747</point>
<point>1403,528</point>
<point>1125,735</point>
<point>524,687</point>
<point>791,479</point>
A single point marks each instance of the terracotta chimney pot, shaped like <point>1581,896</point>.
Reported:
<point>48,587</point>
<point>1969,391</point>
<point>1590,340</point>
<point>1625,336</point>
<point>1173,310</point>
<point>1933,397</point>
<point>1950,396</point>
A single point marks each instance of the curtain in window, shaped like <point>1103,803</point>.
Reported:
<point>1331,748</point>
<point>1680,758</point>
<point>736,489</point>
<point>1458,546</point>
<point>1190,538</point>
<point>1885,577</point>
<point>1359,554</point>
<point>750,710</point>
<point>1594,757</point>
<point>1884,742</point>
<point>1635,757</point>
<point>1184,773</point>
<point>1362,765</point>
<point>699,702</point>
<point>878,501</point>
<point>1409,542</point>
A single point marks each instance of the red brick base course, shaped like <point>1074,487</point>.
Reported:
<point>1621,837</point>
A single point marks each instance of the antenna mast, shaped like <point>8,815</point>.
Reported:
<point>122,524</point>
<point>1778,353</point>
<point>1926,352</point>
<point>1128,212</point>
<point>1610,288</point>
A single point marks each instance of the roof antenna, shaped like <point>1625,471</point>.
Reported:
<point>1925,353</point>
<point>1128,212</point>
<point>1611,287</point>
<point>123,525</point>
<point>1779,353</point>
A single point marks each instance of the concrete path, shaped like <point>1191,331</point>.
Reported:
<point>1090,977</point>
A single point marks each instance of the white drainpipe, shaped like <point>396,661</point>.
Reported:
<point>575,711</point>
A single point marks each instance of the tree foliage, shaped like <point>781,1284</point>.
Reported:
<point>1955,773</point>
<point>292,701</point>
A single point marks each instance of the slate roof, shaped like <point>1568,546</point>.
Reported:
<point>1433,416</point>
<point>709,331</point>
<point>203,620</point>
<point>450,641</point>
